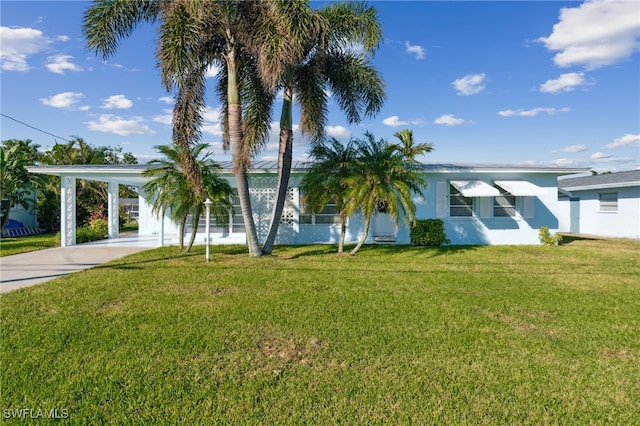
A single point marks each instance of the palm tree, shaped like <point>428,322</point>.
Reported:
<point>408,148</point>
<point>325,181</point>
<point>235,35</point>
<point>16,183</point>
<point>330,63</point>
<point>383,181</point>
<point>172,192</point>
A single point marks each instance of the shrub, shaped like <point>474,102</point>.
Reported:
<point>547,239</point>
<point>100,227</point>
<point>429,232</point>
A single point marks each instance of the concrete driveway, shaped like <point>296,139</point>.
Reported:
<point>23,270</point>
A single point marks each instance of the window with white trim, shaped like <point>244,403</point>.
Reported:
<point>329,215</point>
<point>236,220</point>
<point>504,205</point>
<point>608,201</point>
<point>459,205</point>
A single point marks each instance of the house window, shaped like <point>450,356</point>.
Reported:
<point>504,205</point>
<point>459,205</point>
<point>608,201</point>
<point>329,215</point>
<point>237,221</point>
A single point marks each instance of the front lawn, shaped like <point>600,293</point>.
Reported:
<point>456,335</point>
<point>16,245</point>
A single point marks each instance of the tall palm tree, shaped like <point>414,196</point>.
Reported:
<point>383,180</point>
<point>408,148</point>
<point>330,64</point>
<point>172,192</point>
<point>195,35</point>
<point>325,181</point>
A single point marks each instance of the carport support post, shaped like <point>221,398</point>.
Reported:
<point>67,211</point>
<point>113,212</point>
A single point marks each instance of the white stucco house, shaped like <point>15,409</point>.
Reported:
<point>605,205</point>
<point>480,204</point>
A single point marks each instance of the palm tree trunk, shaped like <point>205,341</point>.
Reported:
<point>183,222</point>
<point>285,158</point>
<point>343,233</point>
<point>240,158</point>
<point>194,230</point>
<point>367,222</point>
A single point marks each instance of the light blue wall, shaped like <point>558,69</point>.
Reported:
<point>474,230</point>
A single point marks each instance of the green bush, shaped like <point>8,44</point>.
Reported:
<point>429,232</point>
<point>100,226</point>
<point>547,239</point>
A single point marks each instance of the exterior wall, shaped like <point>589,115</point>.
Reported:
<point>624,223</point>
<point>27,217</point>
<point>481,228</point>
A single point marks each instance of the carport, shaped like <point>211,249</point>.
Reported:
<point>113,175</point>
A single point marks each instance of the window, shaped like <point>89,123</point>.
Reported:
<point>608,201</point>
<point>329,215</point>
<point>237,221</point>
<point>504,205</point>
<point>459,205</point>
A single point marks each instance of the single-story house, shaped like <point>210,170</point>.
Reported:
<point>606,205</point>
<point>479,204</point>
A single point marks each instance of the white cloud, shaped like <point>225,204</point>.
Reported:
<point>167,100</point>
<point>595,34</point>
<point>108,123</point>
<point>417,51</point>
<point>166,118</point>
<point>212,129</point>
<point>62,100</point>
<point>564,83</point>
<point>599,156</point>
<point>394,121</point>
<point>211,114</point>
<point>212,71</point>
<point>61,63</point>
<point>338,132</point>
<point>18,44</point>
<point>574,148</point>
<point>117,102</point>
<point>626,140</point>
<point>449,120</point>
<point>470,84</point>
<point>531,112</point>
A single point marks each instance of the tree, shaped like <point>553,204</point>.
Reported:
<point>330,63</point>
<point>173,193</point>
<point>89,194</point>
<point>384,180</point>
<point>407,146</point>
<point>16,183</point>
<point>234,35</point>
<point>326,180</point>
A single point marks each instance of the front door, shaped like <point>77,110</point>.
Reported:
<point>383,228</point>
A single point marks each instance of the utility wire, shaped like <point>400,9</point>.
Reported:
<point>34,128</point>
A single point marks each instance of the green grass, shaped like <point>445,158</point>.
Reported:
<point>456,335</point>
<point>15,245</point>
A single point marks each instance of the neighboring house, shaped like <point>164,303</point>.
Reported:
<point>479,204</point>
<point>22,221</point>
<point>607,205</point>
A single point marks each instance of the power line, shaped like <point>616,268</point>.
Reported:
<point>34,128</point>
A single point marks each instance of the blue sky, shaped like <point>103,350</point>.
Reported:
<point>523,83</point>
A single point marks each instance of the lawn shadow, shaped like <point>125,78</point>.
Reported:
<point>430,251</point>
